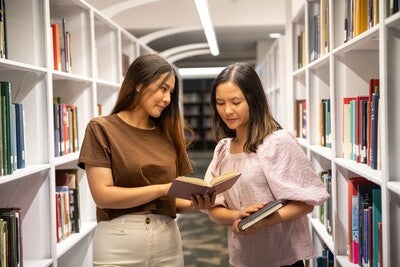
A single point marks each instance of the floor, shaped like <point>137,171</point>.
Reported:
<point>204,242</point>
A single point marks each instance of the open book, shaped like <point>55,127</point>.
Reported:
<point>184,186</point>
<point>265,211</point>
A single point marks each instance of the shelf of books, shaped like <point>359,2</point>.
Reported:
<point>61,64</point>
<point>197,111</point>
<point>346,55</point>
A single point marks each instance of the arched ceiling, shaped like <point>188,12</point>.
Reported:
<point>239,25</point>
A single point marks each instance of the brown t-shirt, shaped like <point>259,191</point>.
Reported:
<point>136,158</point>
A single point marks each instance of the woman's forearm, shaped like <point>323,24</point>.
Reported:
<point>291,211</point>
<point>223,216</point>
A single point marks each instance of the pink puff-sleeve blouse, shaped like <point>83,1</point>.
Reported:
<point>278,170</point>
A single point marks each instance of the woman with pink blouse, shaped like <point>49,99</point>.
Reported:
<point>273,166</point>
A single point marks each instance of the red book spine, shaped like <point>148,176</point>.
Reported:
<point>56,46</point>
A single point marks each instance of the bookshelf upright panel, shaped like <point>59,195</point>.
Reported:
<point>392,80</point>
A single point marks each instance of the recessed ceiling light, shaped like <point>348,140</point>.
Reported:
<point>274,35</point>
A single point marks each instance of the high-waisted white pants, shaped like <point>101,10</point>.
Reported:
<point>138,240</point>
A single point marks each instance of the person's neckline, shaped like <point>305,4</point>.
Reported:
<point>233,154</point>
<point>134,126</point>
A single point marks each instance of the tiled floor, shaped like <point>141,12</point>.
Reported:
<point>204,242</point>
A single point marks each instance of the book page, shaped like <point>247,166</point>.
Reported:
<point>224,177</point>
<point>192,180</point>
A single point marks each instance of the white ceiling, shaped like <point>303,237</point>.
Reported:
<point>239,25</point>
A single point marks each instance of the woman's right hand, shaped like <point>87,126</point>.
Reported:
<point>244,213</point>
<point>249,210</point>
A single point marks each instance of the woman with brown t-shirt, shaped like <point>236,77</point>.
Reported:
<point>131,158</point>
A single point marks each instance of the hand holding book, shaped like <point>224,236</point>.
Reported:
<point>185,187</point>
<point>262,213</point>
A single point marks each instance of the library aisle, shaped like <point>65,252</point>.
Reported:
<point>204,242</point>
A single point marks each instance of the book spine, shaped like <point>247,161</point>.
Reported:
<point>13,138</point>
<point>364,131</point>
<point>58,217</point>
<point>62,146</point>
<point>76,129</point>
<point>64,126</point>
<point>355,229</point>
<point>3,36</point>
<point>5,114</point>
<point>74,210</point>
<point>365,247</point>
<point>374,133</point>
<point>56,46</point>
<point>328,130</point>
<point>56,118</point>
<point>20,133</point>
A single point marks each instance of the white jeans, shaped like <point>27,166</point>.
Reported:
<point>138,240</point>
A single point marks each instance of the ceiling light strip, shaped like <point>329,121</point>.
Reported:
<point>202,9</point>
<point>200,72</point>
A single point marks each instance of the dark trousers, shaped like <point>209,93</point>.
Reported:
<point>297,264</point>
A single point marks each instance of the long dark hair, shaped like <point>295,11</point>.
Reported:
<point>141,73</point>
<point>261,122</point>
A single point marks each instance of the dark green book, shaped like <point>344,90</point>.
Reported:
<point>5,118</point>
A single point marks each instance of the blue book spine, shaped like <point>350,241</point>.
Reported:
<point>365,238</point>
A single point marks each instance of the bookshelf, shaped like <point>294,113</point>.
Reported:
<point>197,111</point>
<point>98,50</point>
<point>344,68</point>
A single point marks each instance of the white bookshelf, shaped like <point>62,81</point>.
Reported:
<point>343,71</point>
<point>96,50</point>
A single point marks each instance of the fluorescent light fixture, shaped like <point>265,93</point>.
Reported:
<point>202,9</point>
<point>200,72</point>
<point>274,35</point>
